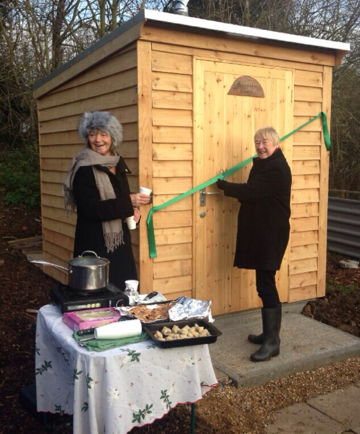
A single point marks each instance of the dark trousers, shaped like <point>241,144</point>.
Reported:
<point>266,288</point>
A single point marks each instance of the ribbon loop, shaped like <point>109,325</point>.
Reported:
<point>223,175</point>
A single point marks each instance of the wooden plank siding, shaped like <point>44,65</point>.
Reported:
<point>112,86</point>
<point>172,171</point>
<point>307,249</point>
<point>253,50</point>
<point>172,147</point>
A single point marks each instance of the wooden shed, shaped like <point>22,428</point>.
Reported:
<point>188,93</point>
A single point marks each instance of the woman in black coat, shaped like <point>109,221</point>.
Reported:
<point>263,231</point>
<point>97,187</point>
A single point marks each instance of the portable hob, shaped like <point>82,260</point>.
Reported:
<point>68,299</point>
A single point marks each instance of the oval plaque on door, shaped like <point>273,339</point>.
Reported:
<point>247,86</point>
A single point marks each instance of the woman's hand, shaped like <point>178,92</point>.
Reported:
<point>137,215</point>
<point>220,183</point>
<point>138,199</point>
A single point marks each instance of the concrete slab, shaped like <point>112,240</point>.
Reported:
<point>221,377</point>
<point>306,344</point>
<point>341,405</point>
<point>303,419</point>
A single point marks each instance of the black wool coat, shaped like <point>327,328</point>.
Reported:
<point>263,221</point>
<point>91,212</point>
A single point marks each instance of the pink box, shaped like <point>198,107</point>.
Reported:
<point>90,318</point>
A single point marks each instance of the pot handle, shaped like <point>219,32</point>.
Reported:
<point>90,251</point>
<point>50,265</point>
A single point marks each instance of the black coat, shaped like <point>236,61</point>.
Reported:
<point>91,212</point>
<point>263,221</point>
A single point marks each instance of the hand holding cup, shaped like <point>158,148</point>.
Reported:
<point>138,199</point>
<point>131,223</point>
<point>146,192</point>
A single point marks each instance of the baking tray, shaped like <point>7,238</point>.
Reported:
<point>151,329</point>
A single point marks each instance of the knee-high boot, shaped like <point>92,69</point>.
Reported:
<point>259,339</point>
<point>271,329</point>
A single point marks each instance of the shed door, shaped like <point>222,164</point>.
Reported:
<point>224,126</point>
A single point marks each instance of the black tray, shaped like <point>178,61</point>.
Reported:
<point>151,329</point>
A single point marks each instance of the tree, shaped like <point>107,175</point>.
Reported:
<point>38,36</point>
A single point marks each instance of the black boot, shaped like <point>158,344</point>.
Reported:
<point>256,339</point>
<point>271,325</point>
<point>259,339</point>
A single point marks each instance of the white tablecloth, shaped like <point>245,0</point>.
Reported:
<point>112,391</point>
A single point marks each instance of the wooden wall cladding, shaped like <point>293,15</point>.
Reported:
<point>309,189</point>
<point>172,148</point>
<point>172,172</point>
<point>110,86</point>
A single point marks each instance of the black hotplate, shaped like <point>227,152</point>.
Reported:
<point>68,299</point>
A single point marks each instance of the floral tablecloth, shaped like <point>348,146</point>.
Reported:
<point>112,391</point>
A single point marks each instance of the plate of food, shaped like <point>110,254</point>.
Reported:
<point>149,313</point>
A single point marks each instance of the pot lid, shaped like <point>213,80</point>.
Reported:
<point>89,261</point>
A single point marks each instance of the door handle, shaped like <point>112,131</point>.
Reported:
<point>203,194</point>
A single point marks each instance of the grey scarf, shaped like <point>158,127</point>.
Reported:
<point>112,229</point>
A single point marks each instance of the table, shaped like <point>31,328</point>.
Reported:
<point>111,392</point>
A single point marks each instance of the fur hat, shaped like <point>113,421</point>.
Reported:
<point>102,121</point>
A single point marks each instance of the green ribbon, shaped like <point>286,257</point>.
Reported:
<point>223,175</point>
<point>324,126</point>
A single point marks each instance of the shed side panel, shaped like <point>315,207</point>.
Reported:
<point>171,156</point>
<point>110,86</point>
<point>307,268</point>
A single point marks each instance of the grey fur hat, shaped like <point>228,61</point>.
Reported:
<point>103,121</point>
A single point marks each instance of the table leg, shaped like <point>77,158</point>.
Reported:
<point>193,418</point>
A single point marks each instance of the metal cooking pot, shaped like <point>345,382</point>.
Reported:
<point>88,273</point>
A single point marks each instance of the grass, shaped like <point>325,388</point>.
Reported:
<point>336,286</point>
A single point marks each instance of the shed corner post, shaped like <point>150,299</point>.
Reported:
<point>324,185</point>
<point>145,155</point>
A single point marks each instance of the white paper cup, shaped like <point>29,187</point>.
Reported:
<point>144,190</point>
<point>118,330</point>
<point>131,285</point>
<point>130,221</point>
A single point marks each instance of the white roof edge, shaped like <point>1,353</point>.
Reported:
<point>249,32</point>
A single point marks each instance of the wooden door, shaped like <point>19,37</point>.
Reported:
<point>224,127</point>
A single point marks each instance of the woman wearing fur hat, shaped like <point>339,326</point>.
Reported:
<point>97,187</point>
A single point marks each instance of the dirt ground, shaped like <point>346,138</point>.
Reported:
<point>24,289</point>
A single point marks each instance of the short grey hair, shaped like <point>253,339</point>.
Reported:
<point>103,121</point>
<point>268,133</point>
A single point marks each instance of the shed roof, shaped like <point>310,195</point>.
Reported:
<point>249,32</point>
<point>132,29</point>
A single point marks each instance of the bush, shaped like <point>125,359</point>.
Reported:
<point>20,176</point>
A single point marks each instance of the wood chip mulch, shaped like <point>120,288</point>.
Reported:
<point>24,289</point>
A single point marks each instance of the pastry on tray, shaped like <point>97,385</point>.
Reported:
<point>152,312</point>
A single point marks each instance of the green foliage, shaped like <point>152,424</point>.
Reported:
<point>336,286</point>
<point>20,176</point>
